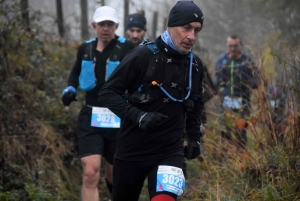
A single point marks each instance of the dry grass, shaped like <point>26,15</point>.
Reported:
<point>267,169</point>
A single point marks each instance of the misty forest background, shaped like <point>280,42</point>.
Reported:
<point>38,43</point>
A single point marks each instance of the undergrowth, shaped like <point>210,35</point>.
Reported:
<point>38,134</point>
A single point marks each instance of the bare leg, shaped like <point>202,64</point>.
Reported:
<point>91,175</point>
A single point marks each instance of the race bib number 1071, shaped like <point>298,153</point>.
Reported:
<point>170,179</point>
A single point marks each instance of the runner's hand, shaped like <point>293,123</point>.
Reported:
<point>69,95</point>
<point>192,150</point>
<point>150,120</point>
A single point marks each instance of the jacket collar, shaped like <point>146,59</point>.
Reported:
<point>169,51</point>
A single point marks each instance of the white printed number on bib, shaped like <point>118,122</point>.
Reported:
<point>104,118</point>
<point>170,179</point>
<point>232,102</point>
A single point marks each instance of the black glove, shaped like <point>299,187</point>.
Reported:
<point>150,120</point>
<point>69,95</point>
<point>192,150</point>
<point>188,105</point>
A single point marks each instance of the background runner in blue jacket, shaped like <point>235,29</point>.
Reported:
<point>235,76</point>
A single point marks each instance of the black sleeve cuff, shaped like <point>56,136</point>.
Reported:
<point>194,135</point>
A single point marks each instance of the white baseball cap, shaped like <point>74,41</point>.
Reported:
<point>104,13</point>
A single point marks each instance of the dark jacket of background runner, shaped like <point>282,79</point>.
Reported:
<point>236,76</point>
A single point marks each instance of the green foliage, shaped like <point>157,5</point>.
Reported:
<point>38,194</point>
<point>7,196</point>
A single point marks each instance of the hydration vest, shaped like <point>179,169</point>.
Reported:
<point>87,78</point>
<point>234,75</point>
<point>157,84</point>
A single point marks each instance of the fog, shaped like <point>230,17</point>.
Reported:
<point>253,20</point>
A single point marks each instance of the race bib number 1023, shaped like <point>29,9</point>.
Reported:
<point>104,118</point>
<point>170,179</point>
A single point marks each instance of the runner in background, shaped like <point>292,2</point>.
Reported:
<point>97,128</point>
<point>235,76</point>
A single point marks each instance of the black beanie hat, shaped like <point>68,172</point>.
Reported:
<point>185,12</point>
<point>136,20</point>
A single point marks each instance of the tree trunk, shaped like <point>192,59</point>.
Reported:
<point>165,24</point>
<point>60,20</point>
<point>154,25</point>
<point>25,11</point>
<point>84,20</point>
<point>126,12</point>
<point>102,2</point>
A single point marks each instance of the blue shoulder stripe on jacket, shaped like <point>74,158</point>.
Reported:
<point>121,39</point>
<point>90,41</point>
